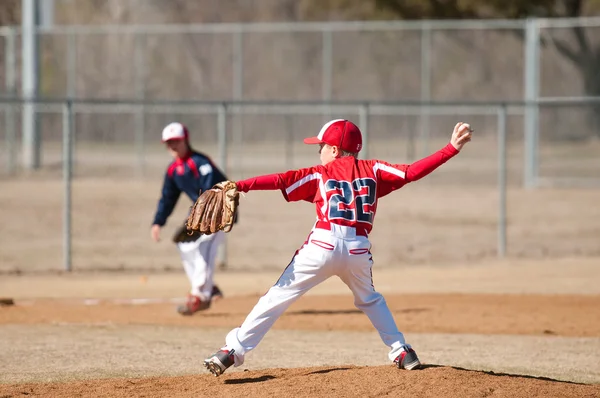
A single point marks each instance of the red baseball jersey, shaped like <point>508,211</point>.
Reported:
<point>346,191</point>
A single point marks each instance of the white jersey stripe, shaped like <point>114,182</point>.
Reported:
<point>301,182</point>
<point>325,207</point>
<point>389,169</point>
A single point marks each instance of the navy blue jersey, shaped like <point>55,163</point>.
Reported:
<point>191,175</point>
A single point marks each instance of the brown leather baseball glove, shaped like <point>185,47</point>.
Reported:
<point>215,209</point>
<point>182,235</point>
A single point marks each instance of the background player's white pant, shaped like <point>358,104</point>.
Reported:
<point>327,253</point>
<point>199,258</point>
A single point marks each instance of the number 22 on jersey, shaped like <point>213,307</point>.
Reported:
<point>351,201</point>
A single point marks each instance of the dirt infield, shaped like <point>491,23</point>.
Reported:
<point>525,326</point>
<point>96,336</point>
<point>417,313</point>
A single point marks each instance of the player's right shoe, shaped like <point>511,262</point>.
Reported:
<point>408,360</point>
<point>219,362</point>
<point>193,305</point>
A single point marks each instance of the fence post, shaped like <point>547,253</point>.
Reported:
<point>425,87</point>
<point>327,72</point>
<point>30,80</point>
<point>532,88</point>
<point>238,94</point>
<point>502,115</point>
<point>67,177</point>
<point>222,143</point>
<point>9,109</point>
<point>72,77</point>
<point>71,65</point>
<point>222,136</point>
<point>140,93</point>
<point>363,125</point>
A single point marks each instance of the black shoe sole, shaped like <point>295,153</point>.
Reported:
<point>415,365</point>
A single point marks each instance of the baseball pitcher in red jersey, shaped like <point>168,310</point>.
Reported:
<point>345,191</point>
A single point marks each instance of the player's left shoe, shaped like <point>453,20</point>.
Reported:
<point>193,305</point>
<point>408,360</point>
<point>216,294</point>
<point>219,362</point>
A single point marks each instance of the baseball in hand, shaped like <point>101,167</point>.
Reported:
<point>461,135</point>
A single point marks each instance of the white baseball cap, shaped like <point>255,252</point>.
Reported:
<point>174,131</point>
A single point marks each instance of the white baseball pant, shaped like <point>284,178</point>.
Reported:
<point>198,259</point>
<point>326,253</point>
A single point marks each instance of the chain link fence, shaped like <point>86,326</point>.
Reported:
<point>498,60</point>
<point>91,203</point>
<point>248,105</point>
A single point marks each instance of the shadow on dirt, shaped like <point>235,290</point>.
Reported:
<point>260,379</point>
<point>492,373</point>
<point>323,312</point>
<point>352,311</point>
<point>316,372</point>
<point>247,380</point>
<point>412,310</point>
<point>263,378</point>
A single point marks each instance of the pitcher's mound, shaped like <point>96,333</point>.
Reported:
<point>336,381</point>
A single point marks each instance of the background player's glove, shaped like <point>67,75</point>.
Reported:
<point>182,235</point>
<point>215,209</point>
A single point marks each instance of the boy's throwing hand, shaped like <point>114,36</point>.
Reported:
<point>461,135</point>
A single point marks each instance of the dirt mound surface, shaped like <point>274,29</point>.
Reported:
<point>344,381</point>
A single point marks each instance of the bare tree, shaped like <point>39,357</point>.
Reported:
<point>10,12</point>
<point>575,44</point>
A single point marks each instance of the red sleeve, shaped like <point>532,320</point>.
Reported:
<point>423,167</point>
<point>261,183</point>
<point>393,176</point>
<point>295,185</point>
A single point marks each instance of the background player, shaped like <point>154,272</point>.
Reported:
<point>345,191</point>
<point>190,172</point>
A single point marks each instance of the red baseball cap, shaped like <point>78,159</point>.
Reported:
<point>174,131</point>
<point>341,133</point>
